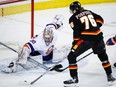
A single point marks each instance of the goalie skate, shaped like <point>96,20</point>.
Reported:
<point>11,68</point>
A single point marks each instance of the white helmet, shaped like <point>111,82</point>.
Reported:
<point>48,35</point>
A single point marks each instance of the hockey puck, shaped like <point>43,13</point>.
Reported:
<point>25,81</point>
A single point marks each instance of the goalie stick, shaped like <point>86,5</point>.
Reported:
<point>8,47</point>
<point>37,63</point>
<point>56,68</point>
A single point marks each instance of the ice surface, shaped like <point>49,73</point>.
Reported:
<point>91,73</point>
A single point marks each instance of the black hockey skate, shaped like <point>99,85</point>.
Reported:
<point>111,80</point>
<point>71,83</point>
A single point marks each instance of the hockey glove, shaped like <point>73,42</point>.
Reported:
<point>56,68</point>
<point>110,41</point>
<point>58,20</point>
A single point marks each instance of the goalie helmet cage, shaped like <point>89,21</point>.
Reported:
<point>8,12</point>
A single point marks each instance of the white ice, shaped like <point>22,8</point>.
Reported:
<point>16,28</point>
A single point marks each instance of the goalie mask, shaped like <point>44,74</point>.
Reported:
<point>48,35</point>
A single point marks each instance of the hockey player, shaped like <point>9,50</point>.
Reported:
<point>86,34</point>
<point>42,44</point>
<point>111,41</point>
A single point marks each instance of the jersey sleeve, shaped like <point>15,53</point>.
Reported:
<point>98,19</point>
<point>76,31</point>
<point>54,38</point>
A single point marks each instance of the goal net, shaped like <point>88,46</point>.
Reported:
<point>16,23</point>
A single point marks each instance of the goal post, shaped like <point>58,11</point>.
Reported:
<point>32,18</point>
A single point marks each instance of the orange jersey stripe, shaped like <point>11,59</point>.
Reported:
<point>73,67</point>
<point>91,33</point>
<point>106,65</point>
<point>26,45</point>
<point>100,21</point>
<point>77,44</point>
<point>75,47</point>
<point>76,38</point>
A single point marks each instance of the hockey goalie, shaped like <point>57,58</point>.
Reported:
<point>42,44</point>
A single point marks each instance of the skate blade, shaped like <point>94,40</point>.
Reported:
<point>112,83</point>
<point>72,85</point>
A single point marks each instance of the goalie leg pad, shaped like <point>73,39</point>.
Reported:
<point>23,55</point>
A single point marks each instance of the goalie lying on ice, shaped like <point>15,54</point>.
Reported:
<point>42,44</point>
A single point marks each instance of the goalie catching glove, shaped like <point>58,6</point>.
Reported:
<point>58,20</point>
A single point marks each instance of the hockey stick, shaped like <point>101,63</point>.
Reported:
<point>8,47</point>
<point>61,70</point>
<point>30,59</point>
<point>46,71</point>
<point>38,64</point>
<point>56,68</point>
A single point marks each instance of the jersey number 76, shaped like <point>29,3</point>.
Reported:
<point>88,19</point>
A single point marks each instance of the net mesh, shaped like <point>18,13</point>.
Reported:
<point>15,21</point>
